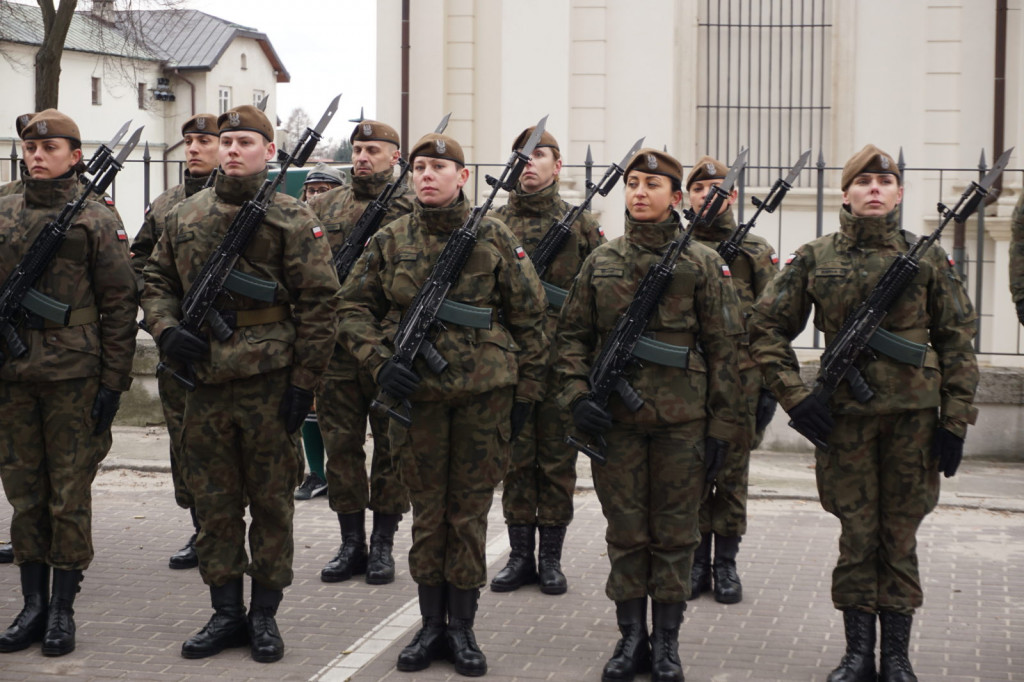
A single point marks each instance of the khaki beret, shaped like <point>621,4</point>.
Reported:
<point>205,124</point>
<point>438,146</point>
<point>655,162</point>
<point>324,173</point>
<point>546,140</point>
<point>707,168</point>
<point>21,122</point>
<point>367,130</point>
<point>871,159</point>
<point>246,117</point>
<point>50,123</point>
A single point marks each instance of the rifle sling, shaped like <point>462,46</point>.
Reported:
<point>661,352</point>
<point>905,345</point>
<point>556,296</point>
<point>77,318</point>
<point>464,314</point>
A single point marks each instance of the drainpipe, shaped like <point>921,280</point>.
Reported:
<point>168,150</point>
<point>999,96</point>
<point>405,74</point>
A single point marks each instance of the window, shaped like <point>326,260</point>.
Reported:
<point>97,88</point>
<point>244,66</point>
<point>223,99</point>
<point>257,97</point>
<point>142,95</point>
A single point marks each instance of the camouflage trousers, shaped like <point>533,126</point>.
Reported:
<point>342,408</point>
<point>650,491</point>
<point>48,461</point>
<point>237,445</point>
<point>172,400</point>
<point>451,459</point>
<point>724,509</point>
<point>879,479</point>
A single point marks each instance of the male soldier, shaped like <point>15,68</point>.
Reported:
<point>321,179</point>
<point>1017,258</point>
<point>880,473</point>
<point>348,388</point>
<point>60,397</point>
<point>541,478</point>
<point>252,390</point>
<point>200,134</point>
<point>724,509</point>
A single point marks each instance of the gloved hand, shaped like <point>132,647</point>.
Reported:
<point>715,451</point>
<point>295,405</point>
<point>182,345</point>
<point>1020,310</point>
<point>520,412</point>
<point>397,381</point>
<point>766,404</point>
<point>948,449</point>
<point>104,407</point>
<point>812,417</point>
<point>590,417</point>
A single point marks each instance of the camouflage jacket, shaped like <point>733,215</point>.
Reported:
<point>18,186</point>
<point>288,249</point>
<point>698,310</point>
<point>12,187</point>
<point>1017,252</point>
<point>756,265</point>
<point>834,274</point>
<point>90,270</point>
<point>396,263</point>
<point>340,208</point>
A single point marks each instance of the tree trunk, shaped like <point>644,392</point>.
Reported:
<point>56,23</point>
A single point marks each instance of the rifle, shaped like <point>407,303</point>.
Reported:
<point>730,248</point>
<point>18,297</point>
<point>608,374</point>
<point>218,271</point>
<point>373,215</point>
<point>422,317</point>
<point>855,336</point>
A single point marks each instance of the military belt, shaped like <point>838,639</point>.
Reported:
<point>75,319</point>
<point>251,318</point>
<point>670,349</point>
<point>556,296</point>
<point>909,346</point>
<point>464,314</point>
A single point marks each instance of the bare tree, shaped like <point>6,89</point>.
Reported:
<point>56,22</point>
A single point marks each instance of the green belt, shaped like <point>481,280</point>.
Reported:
<point>663,353</point>
<point>76,318</point>
<point>464,314</point>
<point>253,287</point>
<point>556,296</point>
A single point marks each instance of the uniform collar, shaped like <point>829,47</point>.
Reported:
<point>370,186</point>
<point>652,236</point>
<point>869,232</point>
<point>535,204</point>
<point>194,183</point>
<point>718,229</point>
<point>442,220</point>
<point>238,189</point>
<point>47,193</point>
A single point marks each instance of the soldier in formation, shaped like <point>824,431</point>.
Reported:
<point>322,178</point>
<point>1017,258</point>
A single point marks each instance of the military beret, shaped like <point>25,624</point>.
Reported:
<point>368,130</point>
<point>324,173</point>
<point>50,123</point>
<point>707,168</point>
<point>246,117</point>
<point>655,162</point>
<point>21,122</point>
<point>205,124</point>
<point>546,139</point>
<point>871,159</point>
<point>438,146</point>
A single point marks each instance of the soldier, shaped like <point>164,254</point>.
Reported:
<point>880,474</point>
<point>457,448</point>
<point>1017,258</point>
<point>321,179</point>
<point>724,509</point>
<point>659,457</point>
<point>60,398</point>
<point>201,144</point>
<point>253,390</point>
<point>538,488</point>
<point>344,399</point>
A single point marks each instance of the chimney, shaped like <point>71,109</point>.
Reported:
<point>103,10</point>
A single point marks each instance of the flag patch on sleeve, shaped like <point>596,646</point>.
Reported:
<point>600,230</point>
<point>317,232</point>
<point>790,258</point>
<point>122,236</point>
<point>520,254</point>
<point>952,263</point>
<point>726,272</point>
<point>775,259</point>
<point>108,201</point>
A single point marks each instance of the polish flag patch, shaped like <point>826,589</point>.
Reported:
<point>122,236</point>
<point>108,201</point>
<point>775,259</point>
<point>726,272</point>
<point>520,253</point>
<point>790,258</point>
<point>952,263</point>
<point>317,232</point>
<point>600,230</point>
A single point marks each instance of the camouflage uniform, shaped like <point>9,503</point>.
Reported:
<point>48,453</point>
<point>651,487</point>
<point>457,449</point>
<point>231,427</point>
<point>1017,258</point>
<point>878,475</point>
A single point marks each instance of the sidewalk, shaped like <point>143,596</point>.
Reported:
<point>134,613</point>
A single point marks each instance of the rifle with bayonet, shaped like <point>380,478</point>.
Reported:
<point>861,327</point>
<point>18,296</point>
<point>422,317</point>
<point>197,305</point>
<point>624,346</point>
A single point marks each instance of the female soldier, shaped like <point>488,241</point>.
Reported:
<point>659,457</point>
<point>457,448</point>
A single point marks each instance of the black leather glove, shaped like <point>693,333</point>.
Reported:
<point>397,381</point>
<point>948,449</point>
<point>182,345</point>
<point>295,405</point>
<point>715,451</point>
<point>811,417</point>
<point>590,417</point>
<point>1020,310</point>
<point>766,404</point>
<point>104,407</point>
<point>520,413</point>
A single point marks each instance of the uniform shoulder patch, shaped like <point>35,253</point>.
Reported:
<point>107,200</point>
<point>317,232</point>
<point>600,230</point>
<point>952,261</point>
<point>790,258</point>
<point>726,272</point>
<point>520,253</point>
<point>775,259</point>
<point>122,235</point>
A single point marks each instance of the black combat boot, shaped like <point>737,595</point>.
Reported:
<point>469,660</point>
<point>521,568</point>
<point>728,589</point>
<point>60,618</point>
<point>700,574</point>
<point>632,652</point>
<point>30,624</point>
<point>351,557</point>
<point>6,553</point>
<point>380,566</point>
<point>264,638</point>
<point>895,644</point>
<point>858,664</point>
<point>549,560</point>
<point>226,628</point>
<point>431,642</point>
<point>186,557</point>
<point>666,619</point>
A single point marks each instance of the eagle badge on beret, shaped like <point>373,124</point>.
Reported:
<point>652,161</point>
<point>440,146</point>
<point>367,129</point>
<point>24,119</point>
<point>234,119</point>
<point>710,168</point>
<point>883,162</point>
<point>41,127</point>
<point>201,123</point>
